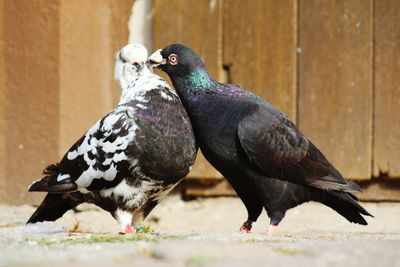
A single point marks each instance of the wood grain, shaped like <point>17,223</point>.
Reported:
<point>372,190</point>
<point>387,89</point>
<point>90,36</point>
<point>196,23</point>
<point>335,82</point>
<point>31,103</point>
<point>3,156</point>
<point>260,39</point>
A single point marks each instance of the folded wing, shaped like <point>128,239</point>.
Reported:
<point>273,143</point>
<point>97,160</point>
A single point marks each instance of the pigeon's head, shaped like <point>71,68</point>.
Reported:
<point>177,60</point>
<point>130,63</point>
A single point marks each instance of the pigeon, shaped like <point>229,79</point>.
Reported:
<point>267,160</point>
<point>131,158</point>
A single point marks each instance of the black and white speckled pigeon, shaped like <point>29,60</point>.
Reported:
<point>249,141</point>
<point>129,159</point>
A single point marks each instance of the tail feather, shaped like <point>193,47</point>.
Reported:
<point>325,183</point>
<point>50,184</point>
<point>53,207</point>
<point>346,205</point>
<point>47,184</point>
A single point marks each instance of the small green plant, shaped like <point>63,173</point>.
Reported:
<point>288,251</point>
<point>93,239</point>
<point>144,229</point>
<point>199,260</point>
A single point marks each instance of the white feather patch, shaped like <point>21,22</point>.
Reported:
<point>134,195</point>
<point>165,96</point>
<point>87,177</point>
<point>120,157</point>
<point>84,191</point>
<point>123,217</point>
<point>110,174</point>
<point>64,176</point>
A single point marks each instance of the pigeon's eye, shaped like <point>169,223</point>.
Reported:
<point>173,59</point>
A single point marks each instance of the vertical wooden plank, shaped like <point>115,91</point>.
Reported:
<point>91,33</point>
<point>58,81</point>
<point>260,39</point>
<point>31,93</point>
<point>387,88</point>
<point>335,86</point>
<point>196,23</point>
<point>2,114</point>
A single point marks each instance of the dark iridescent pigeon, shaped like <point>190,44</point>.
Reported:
<point>249,141</point>
<point>129,159</point>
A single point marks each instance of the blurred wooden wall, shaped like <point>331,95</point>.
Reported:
<point>332,66</point>
<point>56,80</point>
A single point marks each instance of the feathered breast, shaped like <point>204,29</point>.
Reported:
<point>164,138</point>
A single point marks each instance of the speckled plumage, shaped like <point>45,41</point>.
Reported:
<point>249,141</point>
<point>131,158</point>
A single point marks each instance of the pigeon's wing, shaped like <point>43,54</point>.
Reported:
<point>272,142</point>
<point>97,160</point>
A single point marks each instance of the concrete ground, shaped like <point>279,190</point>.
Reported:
<point>202,233</point>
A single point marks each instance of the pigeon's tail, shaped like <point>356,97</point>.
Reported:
<point>53,207</point>
<point>327,183</point>
<point>346,205</point>
<point>51,182</point>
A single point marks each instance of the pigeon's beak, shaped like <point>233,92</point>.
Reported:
<point>156,59</point>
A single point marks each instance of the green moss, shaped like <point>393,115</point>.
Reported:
<point>111,239</point>
<point>11,224</point>
<point>199,260</point>
<point>289,251</point>
<point>250,240</point>
<point>93,239</point>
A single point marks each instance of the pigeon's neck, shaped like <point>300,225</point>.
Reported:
<point>198,80</point>
<point>129,77</point>
<point>138,85</point>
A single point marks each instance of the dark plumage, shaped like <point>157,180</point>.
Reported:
<point>129,159</point>
<point>249,141</point>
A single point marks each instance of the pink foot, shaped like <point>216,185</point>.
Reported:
<point>246,227</point>
<point>129,230</point>
<point>271,229</point>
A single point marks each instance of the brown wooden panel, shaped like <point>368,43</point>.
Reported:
<point>380,190</point>
<point>119,35</point>
<point>2,115</point>
<point>260,49</point>
<point>58,81</point>
<point>196,23</point>
<point>373,190</point>
<point>335,81</point>
<point>31,97</point>
<point>91,32</point>
<point>387,88</point>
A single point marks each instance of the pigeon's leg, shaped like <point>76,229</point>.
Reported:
<point>276,218</point>
<point>246,227</point>
<point>125,219</point>
<point>252,204</point>
<point>271,229</point>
